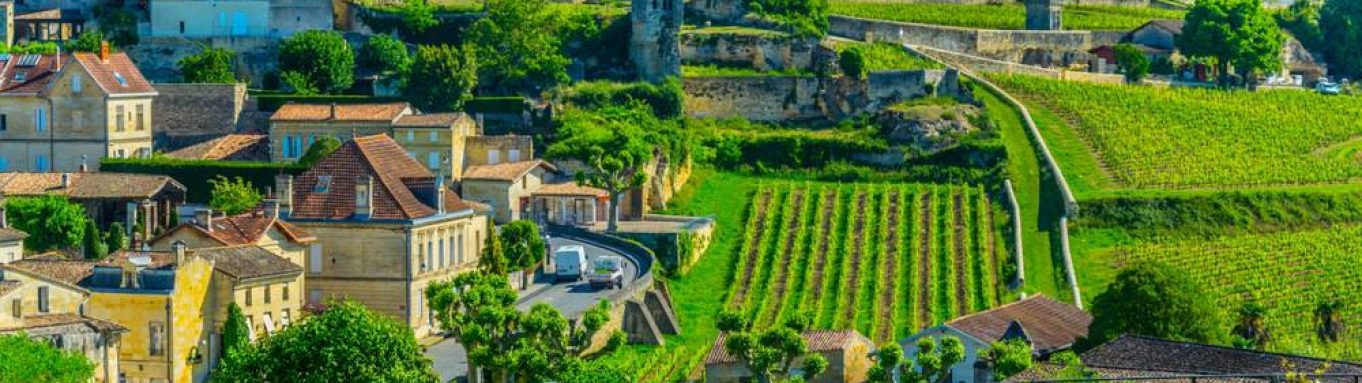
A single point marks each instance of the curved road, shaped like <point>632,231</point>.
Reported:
<point>571,298</point>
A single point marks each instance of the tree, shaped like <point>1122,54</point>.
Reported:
<point>1072,368</point>
<point>1302,20</point>
<point>209,66</point>
<point>1153,299</point>
<point>119,26</point>
<point>51,222</point>
<point>522,246</point>
<point>89,41</point>
<point>612,144</point>
<point>1008,357</point>
<point>852,61</point>
<point>493,258</point>
<point>27,360</point>
<point>233,196</point>
<point>117,238</point>
<point>1341,23</point>
<point>1237,34</point>
<point>323,147</point>
<point>771,354</point>
<point>298,83</point>
<point>346,343</point>
<point>235,333</point>
<point>445,77</point>
<point>385,54</point>
<point>93,243</point>
<point>1251,330</point>
<point>934,360</point>
<point>417,15</point>
<point>1328,325</point>
<point>514,49</point>
<point>321,57</point>
<point>1133,61</point>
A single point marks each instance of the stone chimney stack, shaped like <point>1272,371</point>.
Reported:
<point>440,194</point>
<point>204,218</point>
<point>179,248</point>
<point>283,185</point>
<point>104,51</point>
<point>364,197</point>
<point>271,207</point>
<point>65,180</point>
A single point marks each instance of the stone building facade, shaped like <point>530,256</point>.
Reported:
<point>437,140</point>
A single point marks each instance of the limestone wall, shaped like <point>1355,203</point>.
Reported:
<point>717,10</point>
<point>156,56</point>
<point>792,98</point>
<point>190,113</point>
<point>982,64</point>
<point>1008,45</point>
<point>757,51</point>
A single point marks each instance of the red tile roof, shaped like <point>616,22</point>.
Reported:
<point>397,180</point>
<point>1051,325</point>
<point>341,112</point>
<point>431,120</point>
<point>88,185</point>
<point>243,229</point>
<point>818,341</point>
<point>507,171</point>
<point>107,72</point>
<point>231,147</point>
<point>36,78</point>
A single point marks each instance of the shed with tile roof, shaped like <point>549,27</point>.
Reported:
<point>107,197</point>
<point>506,187</point>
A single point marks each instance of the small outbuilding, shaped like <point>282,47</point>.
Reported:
<point>847,351</point>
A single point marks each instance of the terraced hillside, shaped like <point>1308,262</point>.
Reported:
<point>1000,16</point>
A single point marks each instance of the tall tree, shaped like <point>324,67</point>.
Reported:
<point>117,238</point>
<point>417,15</point>
<point>385,54</point>
<point>27,360</point>
<point>323,58</point>
<point>1153,299</point>
<point>1133,61</point>
<point>515,48</point>
<point>1341,22</point>
<point>522,244</point>
<point>346,343</point>
<point>612,143</point>
<point>1328,325</point>
<point>493,258</point>
<point>209,66</point>
<point>93,243</point>
<point>1238,34</point>
<point>235,333</point>
<point>323,147</point>
<point>1251,329</point>
<point>444,77</point>
<point>51,222</point>
<point>233,196</point>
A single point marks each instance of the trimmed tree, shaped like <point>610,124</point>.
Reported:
<point>612,144</point>
<point>852,61</point>
<point>209,66</point>
<point>323,147</point>
<point>1341,23</point>
<point>117,238</point>
<point>93,243</point>
<point>235,333</point>
<point>523,247</point>
<point>233,196</point>
<point>493,258</point>
<point>1009,357</point>
<point>515,53</point>
<point>27,360</point>
<point>1237,34</point>
<point>385,54</point>
<point>322,58</point>
<point>771,354</point>
<point>1133,61</point>
<point>51,222</point>
<point>1153,299</point>
<point>447,76</point>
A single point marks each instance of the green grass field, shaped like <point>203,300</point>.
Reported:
<point>886,56</point>
<point>1002,16</point>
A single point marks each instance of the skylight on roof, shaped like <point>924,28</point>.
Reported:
<point>323,184</point>
<point>28,60</point>
<point>5,56</point>
<point>121,81</point>
<point>20,76</point>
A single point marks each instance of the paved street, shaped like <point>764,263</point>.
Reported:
<point>570,298</point>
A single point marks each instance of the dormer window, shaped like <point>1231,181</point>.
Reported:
<point>121,81</point>
<point>323,184</point>
<point>20,76</point>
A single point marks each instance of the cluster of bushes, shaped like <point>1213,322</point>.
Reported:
<point>271,101</point>
<point>800,17</point>
<point>664,99</point>
<point>1220,212</point>
<point>44,48</point>
<point>198,175</point>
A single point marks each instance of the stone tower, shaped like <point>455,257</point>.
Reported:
<point>1044,15</point>
<point>653,47</point>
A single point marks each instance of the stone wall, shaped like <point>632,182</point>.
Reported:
<point>729,11</point>
<point>192,113</point>
<point>982,64</point>
<point>793,98</point>
<point>653,48</point>
<point>762,52</point>
<point>1020,46</point>
<point>156,56</point>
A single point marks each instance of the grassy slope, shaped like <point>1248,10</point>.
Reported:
<point>1007,17</point>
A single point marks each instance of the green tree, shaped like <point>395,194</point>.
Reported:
<point>89,41</point>
<point>1133,61</point>
<point>236,335</point>
<point>887,360</point>
<point>1153,299</point>
<point>322,57</point>
<point>27,360</point>
<point>51,222</point>
<point>1328,325</point>
<point>93,243</point>
<point>852,61</point>
<point>493,258</point>
<point>120,26</point>
<point>321,148</point>
<point>771,354</point>
<point>117,238</point>
<point>1237,34</point>
<point>298,83</point>
<point>1251,331</point>
<point>515,51</point>
<point>209,66</point>
<point>522,244</point>
<point>934,360</point>
<point>417,15</point>
<point>233,196</point>
<point>1341,23</point>
<point>346,343</point>
<point>1009,357</point>
<point>612,143</point>
<point>1302,20</point>
<point>385,54</point>
<point>446,76</point>
<point>801,17</point>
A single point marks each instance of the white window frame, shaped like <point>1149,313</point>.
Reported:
<point>75,83</point>
<point>40,119</point>
<point>315,259</point>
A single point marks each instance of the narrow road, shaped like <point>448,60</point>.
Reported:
<point>572,299</point>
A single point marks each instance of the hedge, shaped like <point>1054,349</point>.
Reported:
<point>495,105</point>
<point>195,174</point>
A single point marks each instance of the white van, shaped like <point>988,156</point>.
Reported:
<point>570,263</point>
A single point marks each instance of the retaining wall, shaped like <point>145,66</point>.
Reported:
<point>191,113</point>
<point>1007,45</point>
<point>982,64</point>
<point>790,98</point>
<point>156,57</point>
<point>757,51</point>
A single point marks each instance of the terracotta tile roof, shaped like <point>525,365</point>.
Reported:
<point>157,259</point>
<point>246,262</point>
<point>342,112</point>
<point>397,181</point>
<point>243,229</point>
<point>64,271</point>
<point>231,147</point>
<point>30,322</point>
<point>87,185</point>
<point>11,234</point>
<point>35,78</point>
<point>431,120</point>
<point>1137,355</point>
<point>7,287</point>
<point>507,171</point>
<point>818,340</point>
<point>107,73</point>
<point>570,189</point>
<point>1049,324</point>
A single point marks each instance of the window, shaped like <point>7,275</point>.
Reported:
<point>434,136</point>
<point>156,336</point>
<point>298,146</point>
<point>315,258</point>
<point>430,254</point>
<point>118,153</point>
<point>311,139</point>
<point>269,323</point>
<point>75,83</point>
<point>40,164</point>
<point>140,124</point>
<point>20,76</point>
<point>120,121</point>
<point>283,318</point>
<point>411,135</point>
<point>182,27</point>
<point>314,296</point>
<point>460,247</point>
<point>4,122</point>
<point>411,154</point>
<point>433,160</point>
<point>513,155</point>
<point>250,328</point>
<point>323,184</point>
<point>43,299</point>
<point>267,294</point>
<point>442,253</point>
<point>17,308</point>
<point>248,297</point>
<point>4,164</point>
<point>122,81</point>
<point>493,157</point>
<point>287,147</point>
<point>40,119</point>
<point>284,294</point>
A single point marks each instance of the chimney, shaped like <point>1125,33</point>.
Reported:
<point>440,193</point>
<point>65,180</point>
<point>104,51</point>
<point>283,184</point>
<point>271,207</point>
<point>364,197</point>
<point>84,167</point>
<point>4,222</point>
<point>204,218</point>
<point>333,111</point>
<point>179,248</point>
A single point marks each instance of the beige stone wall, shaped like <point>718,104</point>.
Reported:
<point>61,299</point>
<point>309,131</point>
<point>188,113</point>
<point>11,251</point>
<point>266,298</point>
<point>183,323</point>
<point>481,150</point>
<point>79,121</point>
<point>503,196</point>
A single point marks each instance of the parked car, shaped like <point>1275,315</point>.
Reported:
<point>1328,87</point>
<point>607,271</point>
<point>570,263</point>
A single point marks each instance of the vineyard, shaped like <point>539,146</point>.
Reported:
<point>1291,273</point>
<point>1176,138</point>
<point>1000,16</point>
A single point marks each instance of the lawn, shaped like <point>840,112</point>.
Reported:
<point>886,56</point>
<point>1001,16</point>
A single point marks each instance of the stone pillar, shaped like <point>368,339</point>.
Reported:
<point>1044,15</point>
<point>654,46</point>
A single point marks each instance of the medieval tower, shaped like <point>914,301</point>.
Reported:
<point>654,46</point>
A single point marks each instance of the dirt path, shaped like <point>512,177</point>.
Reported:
<point>786,256</point>
<point>924,265</point>
<point>854,268</point>
<point>750,259</point>
<point>891,254</point>
<point>824,238</point>
<point>961,263</point>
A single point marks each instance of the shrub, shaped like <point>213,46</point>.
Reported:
<point>665,99</point>
<point>196,174</point>
<point>211,66</point>
<point>1133,61</point>
<point>852,61</point>
<point>385,54</point>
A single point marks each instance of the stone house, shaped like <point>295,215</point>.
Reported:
<point>1048,325</point>
<point>11,242</point>
<point>41,300</point>
<point>267,287</point>
<point>386,227</point>
<point>438,140</point>
<point>107,197</point>
<point>261,228</point>
<point>567,203</point>
<point>435,140</point>
<point>847,352</point>
<point>506,187</point>
<point>65,112</point>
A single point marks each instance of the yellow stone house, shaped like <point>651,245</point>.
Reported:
<point>436,140</point>
<point>386,227</point>
<point>65,112</point>
<point>41,299</point>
